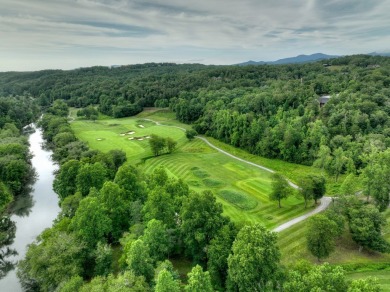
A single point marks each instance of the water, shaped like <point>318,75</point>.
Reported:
<point>35,212</point>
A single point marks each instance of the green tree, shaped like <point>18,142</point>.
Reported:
<point>280,188</point>
<point>190,134</point>
<point>73,284</point>
<point>217,254</point>
<point>132,183</point>
<point>161,206</point>
<point>103,259</point>
<point>156,236</point>
<point>157,144</point>
<point>254,262</point>
<point>364,285</point>
<point>5,197</point>
<point>65,181</point>
<point>198,281</point>
<point>201,217</point>
<point>365,224</point>
<point>139,260</point>
<point>320,236</point>
<point>112,197</point>
<point>171,144</point>
<point>90,175</point>
<point>316,278</point>
<point>126,281</point>
<point>166,283</point>
<point>56,258</point>
<point>91,222</point>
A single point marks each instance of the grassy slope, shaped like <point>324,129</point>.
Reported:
<point>242,189</point>
<point>292,244</point>
<point>382,276</point>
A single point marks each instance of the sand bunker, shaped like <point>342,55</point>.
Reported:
<point>99,139</point>
<point>131,138</point>
<point>122,134</point>
<point>130,132</point>
<point>140,139</point>
<point>147,137</point>
<point>141,126</point>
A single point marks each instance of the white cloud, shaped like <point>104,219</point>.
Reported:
<point>39,34</point>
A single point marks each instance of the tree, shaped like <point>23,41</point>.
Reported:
<point>5,197</point>
<point>90,175</point>
<point>103,259</point>
<point>160,205</point>
<point>320,235</point>
<point>55,259</point>
<point>190,134</point>
<point>217,254</point>
<point>171,144</point>
<point>126,281</point>
<point>316,278</point>
<point>280,188</point>
<point>365,224</point>
<point>201,217</point>
<point>156,236</point>
<point>139,260</point>
<point>254,261</point>
<point>365,285</point>
<point>157,144</point>
<point>65,181</point>
<point>117,208</point>
<point>198,281</point>
<point>166,283</point>
<point>91,222</point>
<point>130,180</point>
<point>312,187</point>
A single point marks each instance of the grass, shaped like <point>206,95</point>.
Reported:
<point>292,245</point>
<point>383,277</point>
<point>241,188</point>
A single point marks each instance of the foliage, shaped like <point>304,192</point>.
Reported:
<point>166,283</point>
<point>139,260</point>
<point>55,259</point>
<point>156,236</point>
<point>201,217</point>
<point>320,236</point>
<point>280,188</point>
<point>316,278</point>
<point>198,281</point>
<point>254,261</point>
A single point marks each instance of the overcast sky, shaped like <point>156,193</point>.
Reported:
<point>65,34</point>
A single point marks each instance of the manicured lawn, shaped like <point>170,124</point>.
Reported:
<point>382,276</point>
<point>292,243</point>
<point>242,189</point>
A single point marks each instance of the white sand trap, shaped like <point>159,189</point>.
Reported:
<point>147,137</point>
<point>131,138</point>
<point>141,126</point>
<point>99,139</point>
<point>122,134</point>
<point>131,133</point>
<point>140,139</point>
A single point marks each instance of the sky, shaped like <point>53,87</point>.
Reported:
<point>67,34</point>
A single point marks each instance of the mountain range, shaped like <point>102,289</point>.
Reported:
<point>302,59</point>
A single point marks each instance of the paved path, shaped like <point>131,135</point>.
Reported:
<point>324,202</point>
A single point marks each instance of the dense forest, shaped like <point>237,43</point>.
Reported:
<point>120,229</point>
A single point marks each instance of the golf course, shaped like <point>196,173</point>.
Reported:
<point>241,188</point>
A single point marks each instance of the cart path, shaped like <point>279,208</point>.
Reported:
<point>324,201</point>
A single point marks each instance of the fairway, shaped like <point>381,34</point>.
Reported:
<point>241,188</point>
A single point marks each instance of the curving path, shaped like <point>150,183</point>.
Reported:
<point>324,201</point>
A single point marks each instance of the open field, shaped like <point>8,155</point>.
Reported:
<point>242,189</point>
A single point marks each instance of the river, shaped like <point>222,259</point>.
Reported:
<point>41,214</point>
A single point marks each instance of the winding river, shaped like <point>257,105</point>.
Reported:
<point>39,214</point>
